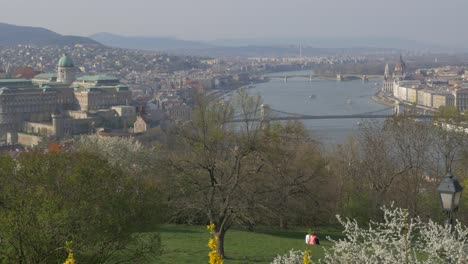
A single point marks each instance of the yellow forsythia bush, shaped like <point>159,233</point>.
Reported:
<point>306,259</point>
<point>214,257</point>
<point>70,259</point>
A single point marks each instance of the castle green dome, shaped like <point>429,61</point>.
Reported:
<point>66,62</point>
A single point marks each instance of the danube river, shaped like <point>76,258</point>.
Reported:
<point>322,97</point>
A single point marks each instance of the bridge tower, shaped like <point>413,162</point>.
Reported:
<point>265,116</point>
<point>339,77</point>
<point>285,78</point>
<point>364,78</point>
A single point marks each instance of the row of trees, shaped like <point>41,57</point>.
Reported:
<point>245,174</point>
<point>403,161</point>
<point>49,199</point>
<point>212,171</point>
<point>105,192</point>
<point>228,174</point>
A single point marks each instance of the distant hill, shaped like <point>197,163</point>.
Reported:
<point>215,49</point>
<point>284,51</point>
<point>336,43</point>
<point>12,35</point>
<point>148,43</point>
<point>268,46</point>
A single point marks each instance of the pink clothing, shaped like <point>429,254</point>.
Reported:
<point>310,239</point>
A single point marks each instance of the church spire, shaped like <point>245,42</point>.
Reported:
<point>403,66</point>
<point>387,71</point>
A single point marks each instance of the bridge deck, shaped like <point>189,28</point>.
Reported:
<point>306,117</point>
<point>370,76</point>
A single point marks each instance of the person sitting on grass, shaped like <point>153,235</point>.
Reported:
<point>312,239</point>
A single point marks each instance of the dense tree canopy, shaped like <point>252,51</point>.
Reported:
<point>107,191</point>
<point>48,199</point>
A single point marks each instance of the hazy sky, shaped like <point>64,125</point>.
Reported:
<point>427,20</point>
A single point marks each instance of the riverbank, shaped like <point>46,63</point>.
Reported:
<point>224,93</point>
<point>379,97</point>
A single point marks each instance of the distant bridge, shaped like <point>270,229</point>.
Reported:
<point>339,77</point>
<point>267,114</point>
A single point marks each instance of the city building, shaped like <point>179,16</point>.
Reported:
<point>390,79</point>
<point>59,104</point>
<point>461,99</point>
<point>400,69</point>
<point>442,98</point>
<point>401,89</point>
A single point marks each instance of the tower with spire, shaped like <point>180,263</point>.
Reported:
<point>387,72</point>
<point>65,70</point>
<point>390,80</point>
<point>400,69</point>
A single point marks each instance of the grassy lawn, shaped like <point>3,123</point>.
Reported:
<point>188,244</point>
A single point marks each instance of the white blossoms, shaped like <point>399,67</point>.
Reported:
<point>293,257</point>
<point>399,239</point>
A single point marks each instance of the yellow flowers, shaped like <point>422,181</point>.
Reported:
<point>70,259</point>
<point>211,227</point>
<point>306,258</point>
<point>214,257</point>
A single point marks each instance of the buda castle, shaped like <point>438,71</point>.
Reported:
<point>61,104</point>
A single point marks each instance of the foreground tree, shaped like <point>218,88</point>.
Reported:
<point>225,173</point>
<point>398,160</point>
<point>293,183</point>
<point>213,162</point>
<point>48,199</point>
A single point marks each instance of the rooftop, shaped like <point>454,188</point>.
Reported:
<point>97,78</point>
<point>66,62</point>
<point>45,76</point>
<point>3,81</point>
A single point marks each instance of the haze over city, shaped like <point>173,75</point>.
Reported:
<point>428,21</point>
<point>233,131</point>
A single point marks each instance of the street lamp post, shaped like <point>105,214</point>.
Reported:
<point>450,192</point>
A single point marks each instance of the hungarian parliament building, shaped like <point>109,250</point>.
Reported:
<point>399,73</point>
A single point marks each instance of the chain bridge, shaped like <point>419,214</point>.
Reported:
<point>311,76</point>
<point>267,114</point>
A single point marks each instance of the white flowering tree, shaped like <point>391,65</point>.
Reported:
<point>127,153</point>
<point>115,149</point>
<point>292,257</point>
<point>399,239</point>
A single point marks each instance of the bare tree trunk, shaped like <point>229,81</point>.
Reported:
<point>220,248</point>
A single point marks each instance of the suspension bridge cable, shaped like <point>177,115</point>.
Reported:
<point>304,115</point>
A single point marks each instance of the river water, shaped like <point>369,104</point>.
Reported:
<point>331,98</point>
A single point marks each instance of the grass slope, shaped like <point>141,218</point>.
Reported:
<point>188,244</point>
